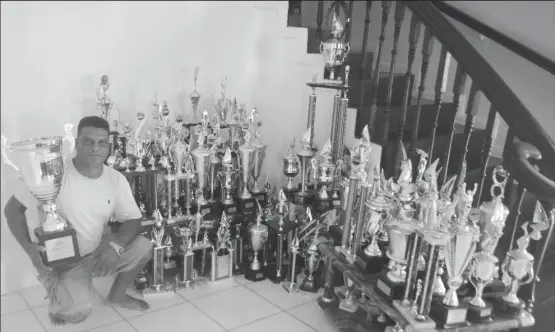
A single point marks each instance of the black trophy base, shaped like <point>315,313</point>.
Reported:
<point>208,209</point>
<point>254,275</point>
<point>304,198</point>
<point>505,309</point>
<point>261,197</point>
<point>61,249</point>
<point>335,234</point>
<point>311,284</point>
<point>229,209</point>
<point>447,316</point>
<point>476,314</point>
<point>370,264</point>
<point>246,208</point>
<point>270,272</point>
<point>389,289</point>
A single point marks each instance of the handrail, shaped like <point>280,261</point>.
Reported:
<point>497,36</point>
<point>503,99</point>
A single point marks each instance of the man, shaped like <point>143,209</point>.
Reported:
<point>90,195</point>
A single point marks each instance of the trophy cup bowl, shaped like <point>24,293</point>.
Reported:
<point>246,154</point>
<point>519,266</point>
<point>481,273</point>
<point>202,167</point>
<point>398,239</point>
<point>334,52</point>
<point>259,155</point>
<point>41,165</point>
<point>290,169</point>
<point>373,224</point>
<point>325,173</point>
<point>177,152</point>
<point>458,252</point>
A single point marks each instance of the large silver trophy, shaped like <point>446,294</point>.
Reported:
<point>40,164</point>
<point>202,158</point>
<point>291,164</point>
<point>259,154</point>
<point>246,159</point>
<point>305,154</point>
<point>227,177</point>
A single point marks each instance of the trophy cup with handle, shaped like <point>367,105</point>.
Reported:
<point>324,171</point>
<point>258,234</point>
<point>334,50</point>
<point>483,268</point>
<point>246,161</point>
<point>291,164</point>
<point>259,155</point>
<point>305,154</point>
<point>519,267</point>
<point>40,164</point>
<point>227,176</point>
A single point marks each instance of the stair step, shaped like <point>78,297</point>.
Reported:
<point>364,88</point>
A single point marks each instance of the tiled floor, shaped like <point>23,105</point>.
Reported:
<point>230,305</point>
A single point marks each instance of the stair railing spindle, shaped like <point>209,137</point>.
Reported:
<point>471,111</point>
<point>427,50</point>
<point>458,90</point>
<point>376,75</point>
<point>491,133</point>
<point>440,88</point>
<point>319,20</point>
<point>364,50</point>
<point>414,37</point>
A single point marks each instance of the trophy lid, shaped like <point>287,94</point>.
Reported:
<point>281,197</point>
<point>336,27</point>
<point>540,222</point>
<point>227,159</point>
<point>325,152</point>
<point>291,155</point>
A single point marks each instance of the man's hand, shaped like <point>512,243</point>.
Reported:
<point>34,253</point>
<point>106,262</point>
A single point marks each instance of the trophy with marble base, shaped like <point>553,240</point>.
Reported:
<point>258,235</point>
<point>41,165</point>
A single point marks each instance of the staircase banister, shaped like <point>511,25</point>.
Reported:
<point>509,106</point>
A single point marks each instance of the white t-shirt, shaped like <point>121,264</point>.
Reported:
<point>87,204</point>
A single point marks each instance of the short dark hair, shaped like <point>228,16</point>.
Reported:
<point>94,122</point>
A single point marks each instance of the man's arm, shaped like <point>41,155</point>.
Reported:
<point>127,212</point>
<point>17,223</point>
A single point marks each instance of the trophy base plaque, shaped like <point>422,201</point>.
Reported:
<point>370,264</point>
<point>261,197</point>
<point>448,316</point>
<point>246,207</point>
<point>60,247</point>
<point>476,314</point>
<point>505,309</point>
<point>391,290</point>
<point>304,198</point>
<point>407,312</point>
<point>254,275</point>
<point>311,284</point>
<point>229,209</point>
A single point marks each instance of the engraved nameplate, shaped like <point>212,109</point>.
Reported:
<point>485,312</point>
<point>383,287</point>
<point>147,222</point>
<point>231,209</point>
<point>222,266</point>
<point>158,266</point>
<point>261,197</point>
<point>259,275</point>
<point>455,316</point>
<point>336,203</point>
<point>205,210</point>
<point>188,267</point>
<point>59,248</point>
<point>249,205</point>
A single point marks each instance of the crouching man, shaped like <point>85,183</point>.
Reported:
<point>91,193</point>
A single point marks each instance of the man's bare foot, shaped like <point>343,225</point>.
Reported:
<point>131,303</point>
<point>59,320</point>
<point>56,320</point>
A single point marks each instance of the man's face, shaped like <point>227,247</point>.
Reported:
<point>93,145</point>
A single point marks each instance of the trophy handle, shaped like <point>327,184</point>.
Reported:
<point>321,47</point>
<point>4,152</point>
<point>530,276</point>
<point>347,49</point>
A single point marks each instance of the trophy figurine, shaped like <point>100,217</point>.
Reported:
<point>305,154</point>
<point>222,255</point>
<point>519,267</point>
<point>258,235</point>
<point>39,163</point>
<point>195,96</point>
<point>334,50</point>
<point>104,103</point>
<point>291,164</point>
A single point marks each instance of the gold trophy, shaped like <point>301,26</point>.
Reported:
<point>291,164</point>
<point>324,171</point>
<point>258,235</point>
<point>334,50</point>
<point>305,154</point>
<point>41,164</point>
<point>519,267</point>
<point>222,255</point>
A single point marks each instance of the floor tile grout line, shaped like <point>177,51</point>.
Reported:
<point>256,320</point>
<point>205,314</point>
<point>303,322</point>
<point>33,312</point>
<point>296,306</point>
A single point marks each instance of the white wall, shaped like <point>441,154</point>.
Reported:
<point>53,54</point>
